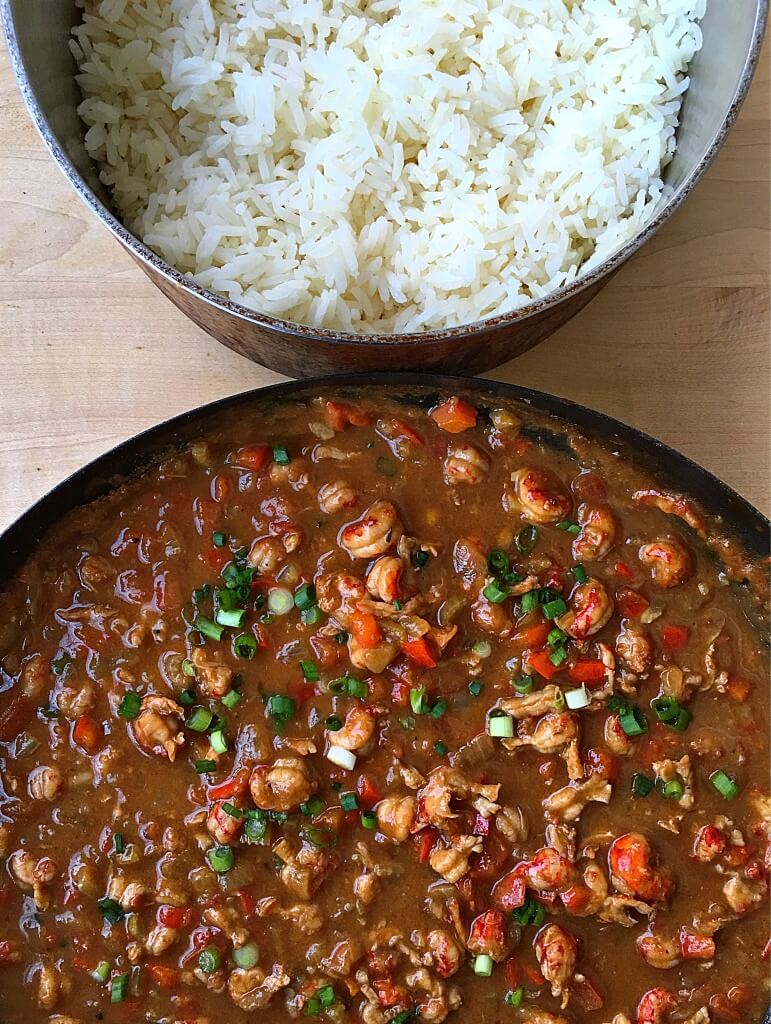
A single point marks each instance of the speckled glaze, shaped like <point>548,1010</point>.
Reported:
<point>36,34</point>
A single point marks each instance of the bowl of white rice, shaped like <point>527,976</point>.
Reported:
<point>343,184</point>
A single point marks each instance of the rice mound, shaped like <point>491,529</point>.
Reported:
<point>386,166</point>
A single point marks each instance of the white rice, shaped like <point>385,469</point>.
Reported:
<point>384,166</point>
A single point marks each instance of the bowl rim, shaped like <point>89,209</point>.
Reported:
<point>720,502</point>
<point>427,339</point>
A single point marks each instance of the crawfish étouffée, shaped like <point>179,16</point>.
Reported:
<point>364,711</point>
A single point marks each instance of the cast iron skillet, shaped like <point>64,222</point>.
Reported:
<point>734,515</point>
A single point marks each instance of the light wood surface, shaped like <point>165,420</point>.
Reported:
<point>677,344</point>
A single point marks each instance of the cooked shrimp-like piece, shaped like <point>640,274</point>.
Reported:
<point>446,955</point>
<point>672,504</point>
<point>383,578</point>
<point>251,989</point>
<point>615,737</point>
<point>465,464</point>
<point>658,951</point>
<point>158,726</point>
<point>339,592</point>
<point>266,555</point>
<point>655,1005</point>
<point>469,562</point>
<point>35,676</point>
<point>556,951</point>
<point>396,816</point>
<point>94,569</point>
<point>633,869</point>
<point>669,561</point>
<point>358,729</point>
<point>295,473</point>
<point>634,650</point>
<point>743,895</point>
<point>45,782</point>
<point>531,705</point>
<point>551,733</point>
<point>590,608</point>
<point>709,843</point>
<point>374,533</point>
<point>443,784</point>
<point>598,532</point>
<point>548,871</point>
<point>492,618</point>
<point>222,825</point>
<point>160,939</point>
<point>568,803</point>
<point>214,677</point>
<point>283,786</point>
<point>336,496</point>
<point>540,496</point>
<point>488,935</point>
<point>452,862</point>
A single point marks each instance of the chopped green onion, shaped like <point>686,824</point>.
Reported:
<point>397,604</point>
<point>334,723</point>
<point>310,671</point>
<point>203,766</point>
<point>369,819</point>
<point>683,720</point>
<point>118,843</point>
<point>515,997</point>
<point>305,596</point>
<point>312,1007</point>
<point>130,706</point>
<point>616,703</point>
<point>559,700</point>
<point>673,789</point>
<point>209,959</point>
<point>341,637</point>
<point>312,807</point>
<point>201,593</point>
<point>321,838</point>
<point>724,784</point>
<point>255,826</point>
<point>101,972</point>
<point>405,1016</point>
<point>281,708</point>
<point>407,722</point>
<point>349,685</point>
<point>231,699</point>
<point>234,812</point>
<point>554,608</point>
<point>280,600</point>
<point>233,618</point>
<point>349,801</point>
<point>532,911</point>
<point>188,667</point>
<point>245,646</point>
<point>567,527</point>
<point>482,648</point>
<point>439,708</point>
<point>558,655</point>
<point>386,466</point>
<point>112,911</point>
<point>530,601</point>
<point>475,687</point>
<point>642,784</point>
<point>187,698</point>
<point>200,720</point>
<point>311,616</point>
<point>418,701</point>
<point>580,573</point>
<point>119,988</point>
<point>208,628</point>
<point>326,996</point>
<point>441,748</point>
<point>633,721</point>
<point>421,558</point>
<point>483,965</point>
<point>556,636</point>
<point>281,455</point>
<point>219,539</point>
<point>246,956</point>
<point>498,562</point>
<point>527,538</point>
<point>524,684</point>
<point>500,726</point>
<point>221,859</point>
<point>494,593</point>
<point>666,708</point>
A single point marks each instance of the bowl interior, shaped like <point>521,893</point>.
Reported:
<point>39,33</point>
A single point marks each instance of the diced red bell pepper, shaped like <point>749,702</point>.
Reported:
<point>221,488</point>
<point>531,636</point>
<point>339,414</point>
<point>696,947</point>
<point>600,762</point>
<point>454,415</point>
<point>623,570</point>
<point>541,662</point>
<point>206,516</point>
<point>589,672</point>
<point>419,651</point>
<point>365,630</point>
<point>247,901</point>
<point>576,899</point>
<point>630,603</point>
<point>88,734</point>
<point>424,843</point>
<point>236,785</point>
<point>511,970</point>
<point>675,637</point>
<point>164,977</point>
<point>254,458</point>
<point>738,689</point>
<point>400,693</point>
<point>368,792</point>
<point>174,917</point>
<point>586,995</point>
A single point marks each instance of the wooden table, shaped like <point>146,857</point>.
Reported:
<point>677,344</point>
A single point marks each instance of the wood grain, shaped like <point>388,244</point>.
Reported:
<point>678,343</point>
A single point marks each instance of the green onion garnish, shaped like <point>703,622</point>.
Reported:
<point>305,596</point>
<point>101,972</point>
<point>558,655</point>
<point>420,558</point>
<point>255,826</point>
<point>673,789</point>
<point>498,562</point>
<point>130,706</point>
<point>281,708</point>
<point>341,637</point>
<point>245,646</point>
<point>527,538</point>
<point>312,807</point>
<point>524,684</point>
<point>633,721</point>
<point>580,573</point>
<point>208,628</point>
<point>439,708</point>
<point>475,687</point>
<point>724,784</point>
<point>188,667</point>
<point>118,843</point>
<point>441,748</point>
<point>281,455</point>
<point>321,838</point>
<point>418,701</point>
<point>187,698</point>
<point>119,988</point>
<point>334,723</point>
<point>556,636</point>
<point>369,819</point>
<point>232,810</point>
<point>199,720</point>
<point>221,859</point>
<point>495,593</point>
<point>311,616</point>
<point>666,708</point>
<point>515,996</point>
<point>642,784</point>
<point>554,608</point>
<point>203,766</point>
<point>112,911</point>
<point>246,956</point>
<point>483,965</point>
<point>209,959</point>
<point>218,539</point>
<point>532,911</point>
<point>234,618</point>
<point>231,699</point>
<point>530,601</point>
<point>310,671</point>
<point>349,801</point>
<point>567,527</point>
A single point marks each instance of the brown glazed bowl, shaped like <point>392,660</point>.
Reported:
<point>37,33</point>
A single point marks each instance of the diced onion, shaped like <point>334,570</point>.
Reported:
<point>482,648</point>
<point>578,698</point>
<point>483,965</point>
<point>246,956</point>
<point>342,758</point>
<point>280,600</point>
<point>501,726</point>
